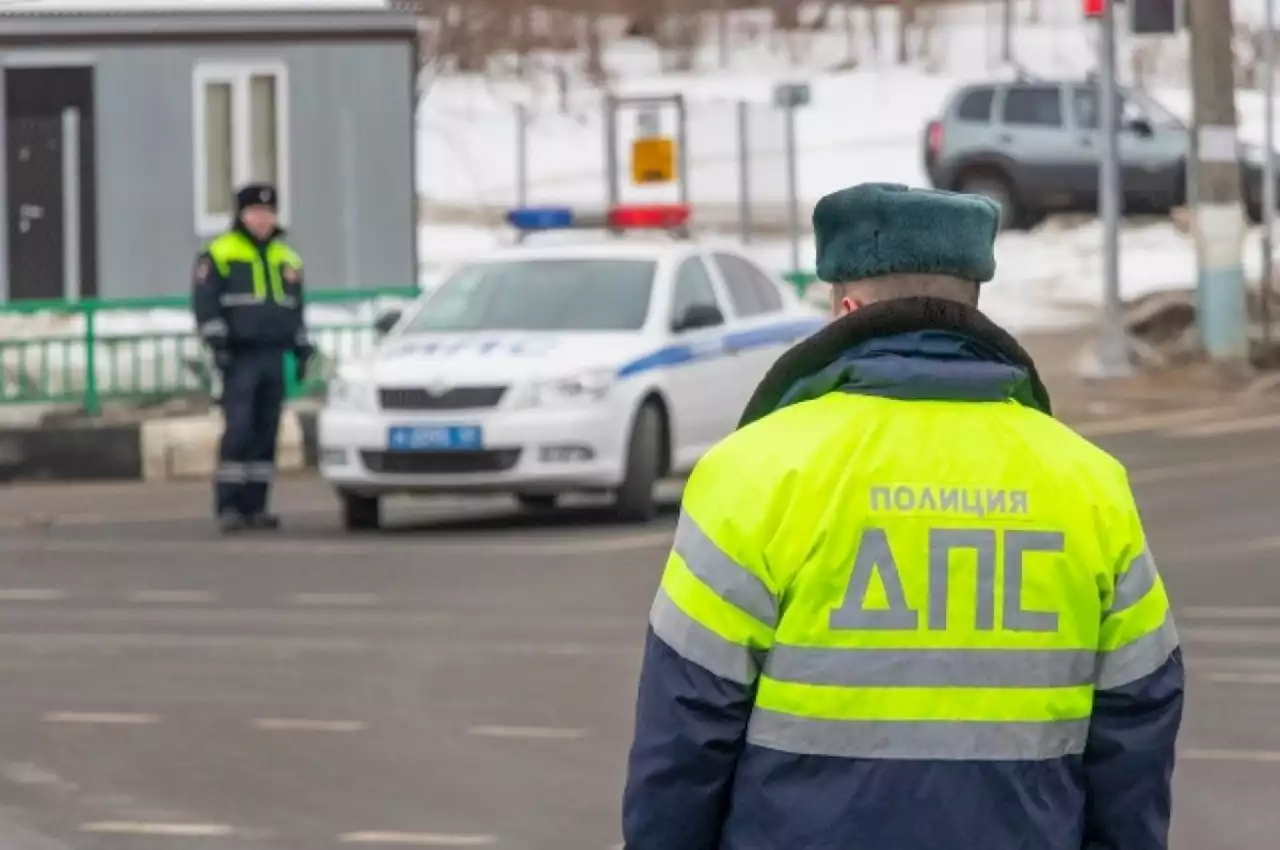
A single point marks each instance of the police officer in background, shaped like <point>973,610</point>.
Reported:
<point>906,608</point>
<point>247,296</point>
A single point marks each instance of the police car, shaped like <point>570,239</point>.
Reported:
<point>540,371</point>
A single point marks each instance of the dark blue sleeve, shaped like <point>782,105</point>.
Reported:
<point>206,301</point>
<point>690,729</point>
<point>1129,758</point>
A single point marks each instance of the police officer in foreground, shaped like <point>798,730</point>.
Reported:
<point>247,297</point>
<point>906,608</point>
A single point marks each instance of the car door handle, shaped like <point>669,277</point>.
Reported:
<point>1005,138</point>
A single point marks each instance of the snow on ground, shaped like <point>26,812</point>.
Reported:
<point>862,124</point>
<point>1046,279</point>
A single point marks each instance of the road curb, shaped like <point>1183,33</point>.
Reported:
<point>173,449</point>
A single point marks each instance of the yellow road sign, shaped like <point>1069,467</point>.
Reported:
<point>653,160</point>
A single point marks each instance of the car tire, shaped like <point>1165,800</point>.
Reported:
<point>361,513</point>
<point>996,188</point>
<point>634,500</point>
<point>537,501</point>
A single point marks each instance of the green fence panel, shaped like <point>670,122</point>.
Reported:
<point>93,351</point>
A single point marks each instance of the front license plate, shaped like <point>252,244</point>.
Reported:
<point>416,438</point>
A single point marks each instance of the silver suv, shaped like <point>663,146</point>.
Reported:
<point>1034,147</point>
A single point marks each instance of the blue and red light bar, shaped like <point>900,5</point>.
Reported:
<point>620,217</point>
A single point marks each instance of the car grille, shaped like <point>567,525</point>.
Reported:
<point>455,398</point>
<point>440,462</point>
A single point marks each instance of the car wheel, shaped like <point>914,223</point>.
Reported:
<point>537,501</point>
<point>997,189</point>
<point>361,513</point>
<point>635,498</point>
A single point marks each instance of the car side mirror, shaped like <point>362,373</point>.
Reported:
<point>1140,127</point>
<point>384,323</point>
<point>698,316</point>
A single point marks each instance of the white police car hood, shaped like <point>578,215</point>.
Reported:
<point>456,359</point>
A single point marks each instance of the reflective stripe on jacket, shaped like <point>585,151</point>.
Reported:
<point>907,611</point>
<point>250,293</point>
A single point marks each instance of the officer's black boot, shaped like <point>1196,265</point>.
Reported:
<point>263,521</point>
<point>229,522</point>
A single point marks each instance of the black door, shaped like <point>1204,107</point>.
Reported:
<point>37,104</point>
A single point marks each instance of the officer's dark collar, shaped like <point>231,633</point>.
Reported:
<point>884,319</point>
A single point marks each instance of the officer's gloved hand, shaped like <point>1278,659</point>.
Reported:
<point>222,359</point>
<point>302,359</point>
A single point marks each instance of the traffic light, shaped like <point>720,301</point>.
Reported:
<point>1156,17</point>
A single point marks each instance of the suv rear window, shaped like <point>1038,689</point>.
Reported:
<point>1033,106</point>
<point>976,105</point>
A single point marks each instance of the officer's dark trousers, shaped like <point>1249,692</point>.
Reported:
<point>252,398</point>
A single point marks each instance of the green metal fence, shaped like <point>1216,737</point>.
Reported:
<point>93,351</point>
<point>89,352</point>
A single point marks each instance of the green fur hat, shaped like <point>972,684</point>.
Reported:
<point>877,229</point>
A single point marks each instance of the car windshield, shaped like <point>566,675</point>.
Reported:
<point>540,295</point>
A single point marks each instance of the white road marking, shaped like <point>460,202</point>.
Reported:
<point>1242,678</point>
<point>1198,469</point>
<point>31,594</point>
<point>172,830</point>
<point>1228,426</point>
<point>336,599</point>
<point>537,732</point>
<point>1210,612</point>
<point>1263,756</point>
<point>100,717</point>
<point>105,641</point>
<point>181,597</point>
<point>1207,634</point>
<point>421,839</point>
<point>1152,421</point>
<point>1234,662</point>
<point>624,543</point>
<point>302,724</point>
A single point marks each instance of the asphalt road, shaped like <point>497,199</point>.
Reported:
<point>467,678</point>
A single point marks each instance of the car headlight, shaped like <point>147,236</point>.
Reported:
<point>587,386</point>
<point>350,395</point>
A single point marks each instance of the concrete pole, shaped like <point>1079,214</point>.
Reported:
<point>1269,171</point>
<point>1218,216</point>
<point>1113,350</point>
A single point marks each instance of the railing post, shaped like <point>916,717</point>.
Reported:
<point>92,401</point>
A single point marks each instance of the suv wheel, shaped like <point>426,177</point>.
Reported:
<point>996,188</point>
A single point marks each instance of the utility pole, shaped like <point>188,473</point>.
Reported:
<point>1268,173</point>
<point>1218,218</point>
<point>1113,345</point>
<point>1006,31</point>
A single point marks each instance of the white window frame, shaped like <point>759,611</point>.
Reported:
<point>238,75</point>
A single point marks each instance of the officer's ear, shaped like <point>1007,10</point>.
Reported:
<point>843,301</point>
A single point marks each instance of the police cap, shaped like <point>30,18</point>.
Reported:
<point>256,195</point>
<point>877,229</point>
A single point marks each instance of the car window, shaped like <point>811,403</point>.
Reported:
<point>976,105</point>
<point>751,292</point>
<point>1033,106</point>
<point>693,288</point>
<point>540,295</point>
<point>1084,105</point>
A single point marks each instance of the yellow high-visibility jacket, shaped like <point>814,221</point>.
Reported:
<point>906,609</point>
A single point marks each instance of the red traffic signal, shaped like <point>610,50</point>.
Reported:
<point>1094,8</point>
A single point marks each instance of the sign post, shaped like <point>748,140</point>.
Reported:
<point>1113,353</point>
<point>789,97</point>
